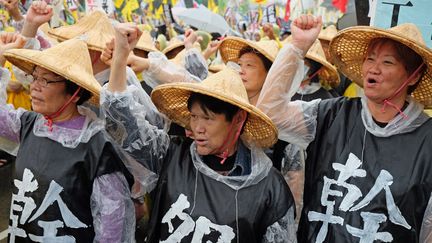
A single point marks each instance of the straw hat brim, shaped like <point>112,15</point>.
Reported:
<point>328,33</point>
<point>348,49</point>
<point>216,68</point>
<point>172,47</point>
<point>146,48</point>
<point>27,60</point>
<point>230,49</point>
<point>171,99</point>
<point>328,74</point>
<point>144,45</point>
<point>324,38</point>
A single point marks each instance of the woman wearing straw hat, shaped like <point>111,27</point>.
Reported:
<point>319,73</point>
<point>368,171</point>
<point>325,37</point>
<point>254,58</point>
<point>345,87</point>
<point>70,183</point>
<point>220,187</point>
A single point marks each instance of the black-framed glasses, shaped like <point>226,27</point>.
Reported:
<point>43,81</point>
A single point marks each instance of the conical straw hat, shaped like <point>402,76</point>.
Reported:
<point>96,29</point>
<point>69,59</point>
<point>145,42</point>
<point>179,59</point>
<point>215,68</point>
<point>175,43</point>
<point>349,47</point>
<point>231,46</point>
<point>328,74</point>
<point>328,33</point>
<point>226,85</point>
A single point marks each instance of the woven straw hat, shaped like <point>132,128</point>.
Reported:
<point>173,45</point>
<point>215,68</point>
<point>328,75</point>
<point>231,47</point>
<point>226,85</point>
<point>96,28</point>
<point>328,33</point>
<point>145,42</point>
<point>350,45</point>
<point>69,59</point>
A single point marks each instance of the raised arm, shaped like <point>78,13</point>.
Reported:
<point>12,8</point>
<point>10,123</point>
<point>127,109</point>
<point>296,121</point>
<point>194,61</point>
<point>212,48</point>
<point>38,14</point>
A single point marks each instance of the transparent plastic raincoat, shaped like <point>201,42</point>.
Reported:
<point>109,202</point>
<point>361,180</point>
<point>132,114</point>
<point>192,68</point>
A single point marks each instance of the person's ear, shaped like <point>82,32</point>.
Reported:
<point>240,117</point>
<point>416,79</point>
<point>75,99</point>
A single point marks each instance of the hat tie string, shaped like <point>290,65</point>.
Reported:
<point>225,153</point>
<point>50,118</point>
<point>387,101</point>
<point>314,74</point>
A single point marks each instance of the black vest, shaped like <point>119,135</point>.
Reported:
<point>398,168</point>
<point>70,171</point>
<point>214,208</point>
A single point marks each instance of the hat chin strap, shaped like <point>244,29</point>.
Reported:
<point>387,101</point>
<point>50,118</point>
<point>227,145</point>
<point>314,74</point>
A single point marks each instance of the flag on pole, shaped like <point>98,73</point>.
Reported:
<point>340,4</point>
<point>287,10</point>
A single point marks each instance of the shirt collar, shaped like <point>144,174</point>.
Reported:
<point>242,165</point>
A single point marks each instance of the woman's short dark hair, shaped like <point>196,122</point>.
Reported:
<point>410,59</point>
<point>208,103</point>
<point>265,61</point>
<point>71,88</point>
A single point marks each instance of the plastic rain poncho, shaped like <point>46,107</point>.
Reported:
<point>119,212</point>
<point>297,121</point>
<point>161,70</point>
<point>131,112</point>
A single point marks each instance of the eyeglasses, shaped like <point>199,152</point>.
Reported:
<point>43,81</point>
